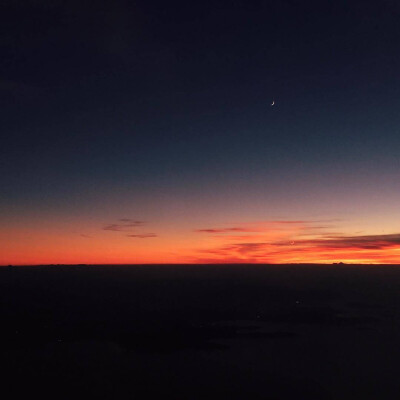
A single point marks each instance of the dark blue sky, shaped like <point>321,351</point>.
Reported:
<point>97,82</point>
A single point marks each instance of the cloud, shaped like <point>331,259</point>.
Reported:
<point>355,242</point>
<point>269,225</point>
<point>295,241</point>
<point>295,222</point>
<point>143,236</point>
<point>243,252</point>
<point>85,236</point>
<point>223,230</point>
<point>124,224</point>
<point>129,225</point>
<point>133,221</point>
<point>254,237</point>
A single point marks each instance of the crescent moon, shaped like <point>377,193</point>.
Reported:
<point>273,102</point>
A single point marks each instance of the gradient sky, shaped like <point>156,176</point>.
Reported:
<point>143,131</point>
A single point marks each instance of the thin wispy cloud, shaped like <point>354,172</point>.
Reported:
<point>123,225</point>
<point>355,242</point>
<point>306,241</point>
<point>223,230</point>
<point>126,225</point>
<point>143,236</point>
<point>268,225</point>
<point>295,222</point>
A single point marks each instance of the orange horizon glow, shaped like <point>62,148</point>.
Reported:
<point>128,242</point>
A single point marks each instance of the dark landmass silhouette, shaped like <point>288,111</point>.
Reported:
<point>201,331</point>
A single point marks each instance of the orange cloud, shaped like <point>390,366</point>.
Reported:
<point>356,242</point>
<point>289,245</point>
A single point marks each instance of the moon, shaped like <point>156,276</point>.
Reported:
<point>273,102</point>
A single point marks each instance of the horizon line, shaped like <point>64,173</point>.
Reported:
<point>339,263</point>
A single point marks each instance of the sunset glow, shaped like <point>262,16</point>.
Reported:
<point>200,134</point>
<point>126,241</point>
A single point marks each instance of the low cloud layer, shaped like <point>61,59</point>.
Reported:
<point>296,241</point>
<point>355,242</point>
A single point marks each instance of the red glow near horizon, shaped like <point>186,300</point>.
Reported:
<point>132,242</point>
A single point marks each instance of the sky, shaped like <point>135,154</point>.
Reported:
<point>144,132</point>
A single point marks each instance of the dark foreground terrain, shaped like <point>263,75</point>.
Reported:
<point>200,332</point>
